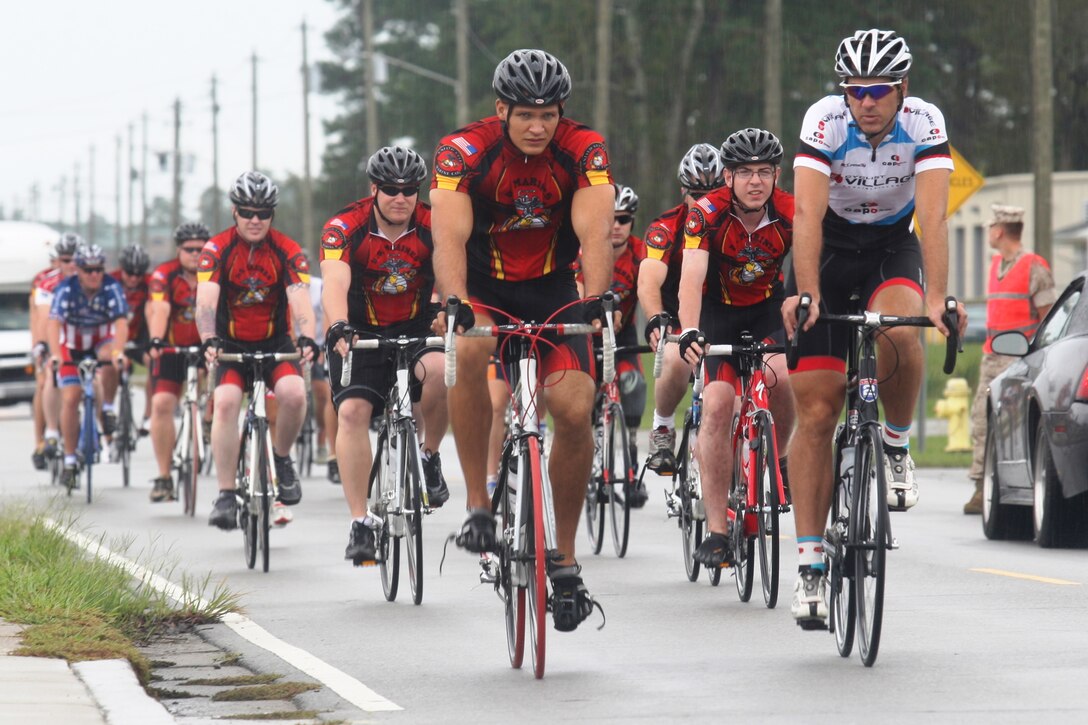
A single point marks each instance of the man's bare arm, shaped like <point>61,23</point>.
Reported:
<point>451,227</point>
<point>591,213</point>
<point>302,310</point>
<point>207,299</point>
<point>812,190</point>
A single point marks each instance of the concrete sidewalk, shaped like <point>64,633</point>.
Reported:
<point>50,692</point>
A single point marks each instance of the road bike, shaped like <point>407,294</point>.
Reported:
<point>124,439</point>
<point>859,535</point>
<point>304,444</point>
<point>89,445</point>
<point>522,502</point>
<point>613,475</point>
<point>256,483</point>
<point>398,495</point>
<point>189,442</point>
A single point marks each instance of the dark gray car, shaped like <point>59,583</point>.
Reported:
<point>1036,470</point>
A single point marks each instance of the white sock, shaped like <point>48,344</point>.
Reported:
<point>661,421</point>
<point>896,436</point>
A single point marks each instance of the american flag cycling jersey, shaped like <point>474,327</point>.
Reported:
<point>86,323</point>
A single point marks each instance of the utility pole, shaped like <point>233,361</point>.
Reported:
<point>117,198</point>
<point>90,199</point>
<point>307,179</point>
<point>366,24</point>
<point>460,10</point>
<point>217,207</point>
<point>1042,72</point>
<point>131,174</point>
<point>175,210</point>
<point>772,68</point>
<point>75,195</point>
<point>254,91</point>
<point>604,66</point>
<point>62,188</point>
<point>35,196</point>
<point>143,187</point>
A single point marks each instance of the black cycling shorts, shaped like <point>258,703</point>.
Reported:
<point>844,272</point>
<point>237,374</point>
<point>168,373</point>
<point>723,324</point>
<point>373,372</point>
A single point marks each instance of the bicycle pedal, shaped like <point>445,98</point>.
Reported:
<point>812,625</point>
<point>364,563</point>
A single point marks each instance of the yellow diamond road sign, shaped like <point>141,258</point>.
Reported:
<point>965,181</point>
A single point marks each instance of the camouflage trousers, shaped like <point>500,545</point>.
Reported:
<point>991,366</point>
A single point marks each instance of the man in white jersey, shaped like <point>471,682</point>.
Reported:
<point>869,160</point>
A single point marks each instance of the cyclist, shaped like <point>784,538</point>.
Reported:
<point>869,160</point>
<point>46,402</point>
<point>248,276</point>
<point>88,318</point>
<point>735,241</point>
<point>324,414</point>
<point>628,251</point>
<point>513,196</point>
<point>700,172</point>
<point>132,274</point>
<point>171,321</point>
<point>376,260</point>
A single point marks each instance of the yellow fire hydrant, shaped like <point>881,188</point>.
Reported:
<point>956,407</point>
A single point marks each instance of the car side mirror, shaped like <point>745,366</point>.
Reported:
<point>1010,343</point>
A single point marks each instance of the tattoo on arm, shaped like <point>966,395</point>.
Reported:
<point>205,321</point>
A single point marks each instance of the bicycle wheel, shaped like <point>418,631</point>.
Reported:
<point>870,536</point>
<point>840,575</point>
<point>304,444</point>
<point>691,525</point>
<point>765,474</point>
<point>621,480</point>
<point>597,493</point>
<point>263,492</point>
<point>743,545</point>
<point>124,436</point>
<point>243,485</point>
<point>511,578</point>
<point>88,444</point>
<point>532,486</point>
<point>387,545</point>
<point>412,490</point>
<point>189,482</point>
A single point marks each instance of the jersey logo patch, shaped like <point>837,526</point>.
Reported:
<point>529,210</point>
<point>595,158</point>
<point>706,205</point>
<point>254,293</point>
<point>338,222</point>
<point>751,267</point>
<point>448,161</point>
<point>333,238</point>
<point>657,239</point>
<point>398,274</point>
<point>695,223</point>
<point>464,145</point>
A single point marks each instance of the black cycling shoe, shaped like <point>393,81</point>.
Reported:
<point>715,551</point>
<point>637,495</point>
<point>437,490</point>
<point>362,551</point>
<point>570,602</point>
<point>109,422</point>
<point>38,458</point>
<point>225,511</point>
<point>69,478</point>
<point>289,487</point>
<point>333,472</point>
<point>478,532</point>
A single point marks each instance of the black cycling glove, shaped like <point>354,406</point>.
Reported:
<point>690,337</point>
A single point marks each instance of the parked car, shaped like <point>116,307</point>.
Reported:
<point>24,251</point>
<point>1035,478</point>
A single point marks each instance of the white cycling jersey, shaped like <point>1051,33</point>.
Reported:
<point>871,186</point>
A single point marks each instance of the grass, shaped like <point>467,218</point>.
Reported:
<point>276,691</point>
<point>235,681</point>
<point>935,456</point>
<point>83,608</point>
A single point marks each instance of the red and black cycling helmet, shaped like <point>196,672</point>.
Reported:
<point>531,77</point>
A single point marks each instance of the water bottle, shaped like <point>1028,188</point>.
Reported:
<point>846,464</point>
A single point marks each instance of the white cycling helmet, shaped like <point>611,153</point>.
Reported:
<point>873,54</point>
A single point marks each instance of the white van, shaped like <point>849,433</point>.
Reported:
<point>24,251</point>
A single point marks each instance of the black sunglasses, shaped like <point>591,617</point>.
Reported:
<point>697,195</point>
<point>93,270</point>
<point>262,214</point>
<point>624,218</point>
<point>390,190</point>
<point>192,250</point>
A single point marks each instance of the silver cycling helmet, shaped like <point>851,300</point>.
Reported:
<point>701,168</point>
<point>191,230</point>
<point>90,255</point>
<point>135,260</point>
<point>626,199</point>
<point>254,189</point>
<point>396,165</point>
<point>873,54</point>
<point>68,244</point>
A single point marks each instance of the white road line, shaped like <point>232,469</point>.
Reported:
<point>1029,577</point>
<point>335,679</point>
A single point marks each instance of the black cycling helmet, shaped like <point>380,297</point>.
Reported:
<point>191,230</point>
<point>254,189</point>
<point>531,78</point>
<point>135,260</point>
<point>751,146</point>
<point>90,255</point>
<point>701,168</point>
<point>626,199</point>
<point>396,165</point>
<point>68,244</point>
<point>873,54</point>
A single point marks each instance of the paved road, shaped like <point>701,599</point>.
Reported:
<point>975,631</point>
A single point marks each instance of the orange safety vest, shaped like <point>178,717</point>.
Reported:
<point>1009,304</point>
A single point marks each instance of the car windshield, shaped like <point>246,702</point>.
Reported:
<point>1059,319</point>
<point>14,313</point>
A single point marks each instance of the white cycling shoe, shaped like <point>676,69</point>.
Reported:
<point>902,487</point>
<point>809,604</point>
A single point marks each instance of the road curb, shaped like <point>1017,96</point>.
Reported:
<point>120,697</point>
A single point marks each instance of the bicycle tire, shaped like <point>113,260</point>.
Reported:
<point>766,475</point>
<point>123,436</point>
<point>190,485</point>
<point>512,594</point>
<point>413,512</point>
<point>596,494</point>
<point>618,507</point>
<point>870,536</point>
<point>264,495</point>
<point>691,528</point>
<point>387,546</point>
<point>304,444</point>
<point>88,443</point>
<point>246,520</point>
<point>842,606</point>
<point>742,543</point>
<point>537,556</point>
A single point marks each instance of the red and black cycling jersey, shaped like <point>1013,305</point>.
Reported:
<point>168,284</point>
<point>624,278</point>
<point>391,279</point>
<point>253,281</point>
<point>744,268</point>
<point>521,204</point>
<point>664,241</point>
<point>136,297</point>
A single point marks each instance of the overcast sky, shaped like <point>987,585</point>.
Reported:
<point>78,72</point>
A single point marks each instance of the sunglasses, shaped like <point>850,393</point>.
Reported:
<point>93,270</point>
<point>697,195</point>
<point>65,260</point>
<point>624,219</point>
<point>192,250</point>
<point>390,190</point>
<point>262,214</point>
<point>858,91</point>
